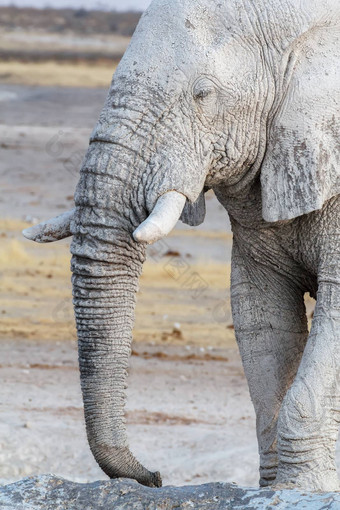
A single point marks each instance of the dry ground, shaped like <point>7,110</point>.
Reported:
<point>189,414</point>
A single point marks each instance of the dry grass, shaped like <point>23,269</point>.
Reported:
<point>35,301</point>
<point>56,74</point>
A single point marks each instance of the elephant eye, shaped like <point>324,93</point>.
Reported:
<point>202,94</point>
<point>203,90</point>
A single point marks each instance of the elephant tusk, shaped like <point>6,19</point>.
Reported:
<point>163,218</point>
<point>51,230</point>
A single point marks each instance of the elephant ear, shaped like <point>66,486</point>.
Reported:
<point>301,168</point>
<point>194,213</point>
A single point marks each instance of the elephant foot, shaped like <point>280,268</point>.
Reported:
<point>268,468</point>
<point>266,482</point>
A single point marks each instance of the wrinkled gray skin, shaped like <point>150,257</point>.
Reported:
<point>240,96</point>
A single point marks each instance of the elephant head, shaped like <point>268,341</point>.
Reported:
<point>209,94</point>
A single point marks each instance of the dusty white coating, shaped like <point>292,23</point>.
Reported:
<point>163,218</point>
<point>51,230</point>
<point>301,169</point>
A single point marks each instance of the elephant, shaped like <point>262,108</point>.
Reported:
<point>240,97</point>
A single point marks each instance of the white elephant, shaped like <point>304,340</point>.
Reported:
<point>242,97</point>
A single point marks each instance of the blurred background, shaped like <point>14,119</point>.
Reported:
<point>189,413</point>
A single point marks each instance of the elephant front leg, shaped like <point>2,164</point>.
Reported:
<point>309,418</point>
<point>271,331</point>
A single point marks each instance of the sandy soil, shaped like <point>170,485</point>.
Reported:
<point>189,412</point>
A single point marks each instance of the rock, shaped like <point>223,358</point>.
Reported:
<point>48,492</point>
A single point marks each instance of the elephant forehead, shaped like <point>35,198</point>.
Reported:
<point>204,13</point>
<point>168,30</point>
<point>176,41</point>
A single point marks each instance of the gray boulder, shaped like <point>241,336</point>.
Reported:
<point>49,492</point>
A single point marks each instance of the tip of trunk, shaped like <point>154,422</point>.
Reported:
<point>120,463</point>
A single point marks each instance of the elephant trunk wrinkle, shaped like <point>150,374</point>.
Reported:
<point>105,320</point>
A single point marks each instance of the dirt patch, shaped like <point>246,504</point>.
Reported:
<point>147,418</point>
<point>180,357</point>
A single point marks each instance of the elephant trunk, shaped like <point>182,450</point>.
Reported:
<point>106,265</point>
<point>128,195</point>
<point>104,300</point>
